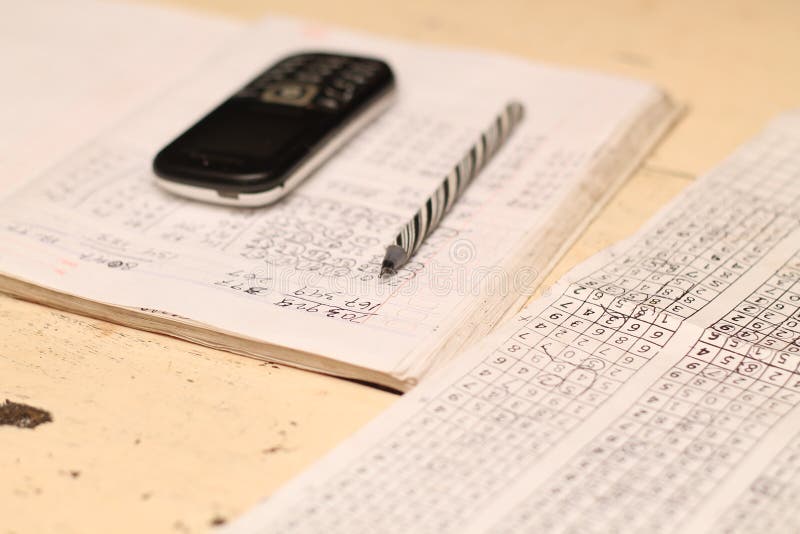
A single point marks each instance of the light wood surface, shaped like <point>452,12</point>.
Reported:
<point>152,434</point>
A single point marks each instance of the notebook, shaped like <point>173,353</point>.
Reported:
<point>655,389</point>
<point>298,281</point>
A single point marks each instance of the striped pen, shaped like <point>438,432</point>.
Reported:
<point>426,220</point>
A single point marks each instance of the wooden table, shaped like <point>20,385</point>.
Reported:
<point>152,434</point>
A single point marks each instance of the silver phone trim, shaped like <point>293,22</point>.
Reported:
<point>328,148</point>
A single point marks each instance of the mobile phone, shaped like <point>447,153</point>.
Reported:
<point>265,139</point>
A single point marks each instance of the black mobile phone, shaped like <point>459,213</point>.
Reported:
<point>271,134</point>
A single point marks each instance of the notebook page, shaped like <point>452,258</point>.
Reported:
<point>73,68</point>
<point>303,273</point>
<point>634,393</point>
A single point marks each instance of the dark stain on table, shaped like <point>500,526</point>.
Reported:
<point>218,521</point>
<point>22,415</point>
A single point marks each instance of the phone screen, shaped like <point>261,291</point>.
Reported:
<point>248,133</point>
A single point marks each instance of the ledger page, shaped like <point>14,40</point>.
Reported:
<point>649,392</point>
<point>303,273</point>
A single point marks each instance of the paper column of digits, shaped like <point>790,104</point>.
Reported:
<point>624,399</point>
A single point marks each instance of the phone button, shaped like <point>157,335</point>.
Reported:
<point>289,93</point>
<point>328,103</point>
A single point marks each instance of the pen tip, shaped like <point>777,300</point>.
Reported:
<point>394,259</point>
<point>387,269</point>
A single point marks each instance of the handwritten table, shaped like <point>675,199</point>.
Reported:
<point>152,434</point>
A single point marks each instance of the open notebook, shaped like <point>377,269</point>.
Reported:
<point>297,282</point>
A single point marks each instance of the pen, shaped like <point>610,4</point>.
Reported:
<point>426,220</point>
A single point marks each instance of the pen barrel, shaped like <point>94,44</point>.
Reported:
<point>414,232</point>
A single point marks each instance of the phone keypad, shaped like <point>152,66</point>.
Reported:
<point>324,82</point>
